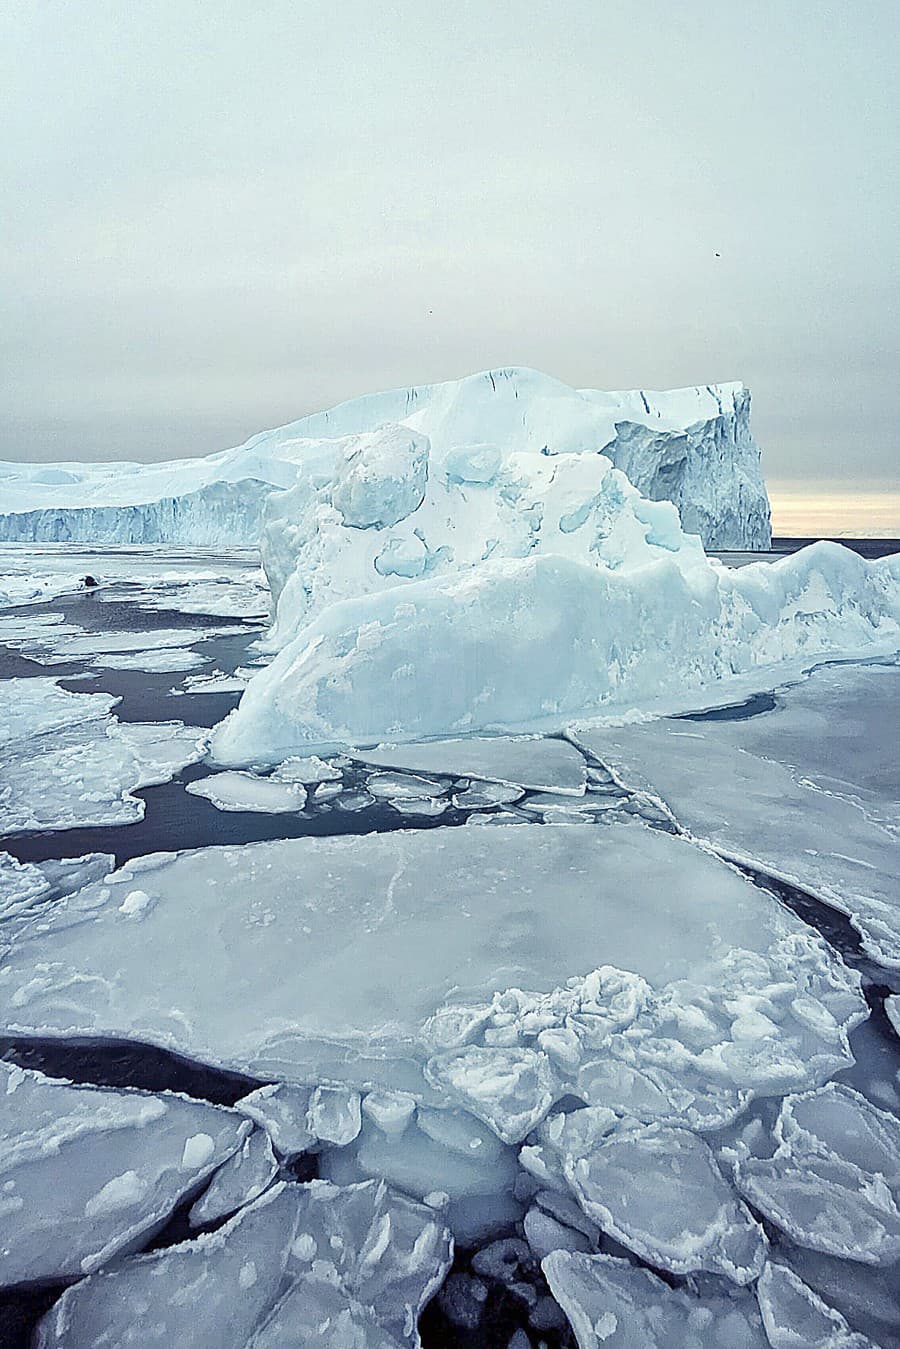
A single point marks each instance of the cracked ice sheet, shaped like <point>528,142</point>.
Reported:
<point>87,1173</point>
<point>833,1183</point>
<point>304,1264</point>
<point>347,947</point>
<point>724,782</point>
<point>539,764</point>
<point>67,762</point>
<point>611,1304</point>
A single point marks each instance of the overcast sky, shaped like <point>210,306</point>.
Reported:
<point>219,216</point>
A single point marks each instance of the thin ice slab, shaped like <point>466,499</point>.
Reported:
<point>86,1174</point>
<point>248,791</point>
<point>538,764</point>
<point>363,958</point>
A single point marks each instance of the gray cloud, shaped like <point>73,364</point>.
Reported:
<point>220,216</point>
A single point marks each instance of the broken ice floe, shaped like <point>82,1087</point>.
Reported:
<point>833,1181</point>
<point>247,791</point>
<point>536,764</point>
<point>302,1264</point>
<point>86,1174</point>
<point>243,1178</point>
<point>716,994</point>
<point>796,1318</point>
<point>611,1304</point>
<point>746,787</point>
<point>67,762</point>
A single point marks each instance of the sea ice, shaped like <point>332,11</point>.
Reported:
<point>796,1318</point>
<point>659,1191</point>
<point>432,936</point>
<point>242,1179</point>
<point>754,796</point>
<point>89,1173</point>
<point>611,1304</point>
<point>248,791</point>
<point>303,1264</point>
<point>530,762</point>
<point>153,662</point>
<point>68,763</point>
<point>833,1183</point>
<point>309,771</point>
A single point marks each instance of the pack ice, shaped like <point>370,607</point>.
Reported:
<point>690,446</point>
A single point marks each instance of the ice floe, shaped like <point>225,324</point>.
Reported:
<point>86,1173</point>
<point>796,1318</point>
<point>770,801</point>
<point>67,762</point>
<point>243,1178</point>
<point>303,1264</point>
<point>536,764</point>
<point>611,1304</point>
<point>248,791</point>
<point>717,992</point>
<point>833,1181</point>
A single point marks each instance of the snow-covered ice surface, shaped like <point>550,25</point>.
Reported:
<point>67,761</point>
<point>693,446</point>
<point>87,1174</point>
<point>303,1264</point>
<point>807,792</point>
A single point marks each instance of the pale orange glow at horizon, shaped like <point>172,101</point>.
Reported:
<point>832,511</point>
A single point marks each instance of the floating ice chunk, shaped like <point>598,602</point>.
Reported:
<point>203,1292</point>
<point>892,1009</point>
<point>379,917</point>
<point>389,1111</point>
<point>242,1179</point>
<point>427,807</point>
<point>309,771</point>
<point>154,662</point>
<point>545,1233</point>
<point>89,1173</point>
<point>84,773</point>
<point>217,682</point>
<point>282,1112</point>
<point>248,791</point>
<point>443,1151</point>
<point>865,1294</point>
<point>611,1304</point>
<point>796,1318</point>
<point>484,795</point>
<point>334,1115</point>
<point>658,1191</point>
<point>403,787</point>
<point>833,1183</point>
<point>530,762</point>
<point>97,646</point>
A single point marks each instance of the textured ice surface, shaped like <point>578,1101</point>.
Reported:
<point>613,1305</point>
<point>154,662</point>
<point>283,1111</point>
<point>309,771</point>
<point>659,1191</point>
<point>833,1182</point>
<point>248,791</point>
<point>86,1173</point>
<point>419,930</point>
<point>790,790</point>
<point>796,1318</point>
<point>691,444</point>
<point>241,1180</point>
<point>217,682</point>
<point>532,643</point>
<point>517,761</point>
<point>308,1264</point>
<point>68,763</point>
<point>892,1008</point>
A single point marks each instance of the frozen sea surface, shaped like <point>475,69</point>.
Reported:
<point>574,1039</point>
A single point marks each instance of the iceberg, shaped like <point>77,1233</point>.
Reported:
<point>692,446</point>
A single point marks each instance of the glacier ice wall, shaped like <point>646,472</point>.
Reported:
<point>691,446</point>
